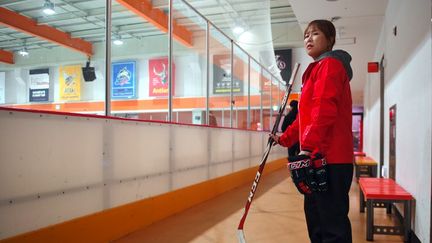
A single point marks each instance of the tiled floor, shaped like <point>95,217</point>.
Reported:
<point>276,215</point>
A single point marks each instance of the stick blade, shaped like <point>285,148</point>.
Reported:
<point>241,236</point>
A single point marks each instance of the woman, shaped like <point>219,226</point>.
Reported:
<point>323,128</point>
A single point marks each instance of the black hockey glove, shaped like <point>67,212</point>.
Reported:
<point>302,173</point>
<point>320,167</point>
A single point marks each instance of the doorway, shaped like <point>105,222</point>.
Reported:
<point>392,142</point>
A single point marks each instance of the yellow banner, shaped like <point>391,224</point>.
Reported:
<point>70,82</point>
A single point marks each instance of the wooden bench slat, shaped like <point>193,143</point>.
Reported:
<point>382,188</point>
<point>365,161</point>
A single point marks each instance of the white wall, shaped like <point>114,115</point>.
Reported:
<point>371,122</point>
<point>55,168</point>
<point>408,85</point>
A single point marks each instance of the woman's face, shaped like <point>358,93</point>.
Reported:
<point>315,42</point>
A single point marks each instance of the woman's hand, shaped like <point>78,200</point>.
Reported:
<point>275,139</point>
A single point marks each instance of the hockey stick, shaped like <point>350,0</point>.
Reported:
<point>240,233</point>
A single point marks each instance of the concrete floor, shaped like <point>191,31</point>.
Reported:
<point>276,215</point>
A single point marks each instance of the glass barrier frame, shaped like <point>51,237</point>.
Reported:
<point>233,114</point>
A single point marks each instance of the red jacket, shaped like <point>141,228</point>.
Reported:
<point>324,121</point>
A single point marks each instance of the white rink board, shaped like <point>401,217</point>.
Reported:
<point>137,149</point>
<point>55,167</point>
<point>221,141</point>
<point>241,145</point>
<point>48,153</point>
<point>189,177</point>
<point>191,146</point>
<point>242,164</point>
<point>258,141</point>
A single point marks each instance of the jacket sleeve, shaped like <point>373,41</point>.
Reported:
<point>327,89</point>
<point>291,135</point>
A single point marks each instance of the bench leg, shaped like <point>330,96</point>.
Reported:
<point>369,220</point>
<point>407,220</point>
<point>357,172</point>
<point>362,202</point>
<point>389,207</point>
<point>374,171</point>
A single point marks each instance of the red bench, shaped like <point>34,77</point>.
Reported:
<point>359,153</point>
<point>382,191</point>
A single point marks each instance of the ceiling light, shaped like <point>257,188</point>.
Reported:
<point>118,41</point>
<point>48,7</point>
<point>23,52</point>
<point>238,30</point>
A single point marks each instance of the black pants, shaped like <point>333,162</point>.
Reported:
<point>327,212</point>
<point>294,150</point>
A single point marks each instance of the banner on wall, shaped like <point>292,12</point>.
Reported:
<point>158,77</point>
<point>283,62</point>
<point>39,85</point>
<point>2,87</point>
<point>123,80</point>
<point>222,75</point>
<point>70,78</point>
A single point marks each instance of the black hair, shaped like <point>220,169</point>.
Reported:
<point>293,103</point>
<point>326,27</point>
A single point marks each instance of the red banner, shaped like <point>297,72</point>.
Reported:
<point>158,82</point>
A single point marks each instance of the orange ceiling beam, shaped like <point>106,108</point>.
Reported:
<point>31,27</point>
<point>6,57</point>
<point>158,18</point>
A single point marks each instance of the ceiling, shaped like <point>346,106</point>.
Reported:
<point>359,24</point>
<point>85,19</point>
